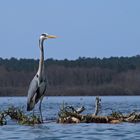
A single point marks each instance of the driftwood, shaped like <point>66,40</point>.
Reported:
<point>67,114</point>
<point>18,115</point>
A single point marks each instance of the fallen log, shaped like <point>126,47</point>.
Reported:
<point>78,118</point>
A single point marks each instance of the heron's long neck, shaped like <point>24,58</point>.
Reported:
<point>41,62</point>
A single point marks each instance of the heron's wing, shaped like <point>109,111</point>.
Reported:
<point>35,92</point>
<point>32,91</point>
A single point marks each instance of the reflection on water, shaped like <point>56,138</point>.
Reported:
<point>53,131</point>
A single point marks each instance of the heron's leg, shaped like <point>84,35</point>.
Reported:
<point>40,109</point>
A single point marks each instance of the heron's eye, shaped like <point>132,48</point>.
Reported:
<point>44,35</point>
<point>37,75</point>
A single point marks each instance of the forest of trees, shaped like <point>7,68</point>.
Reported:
<point>83,76</point>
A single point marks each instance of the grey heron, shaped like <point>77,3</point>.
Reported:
<point>38,85</point>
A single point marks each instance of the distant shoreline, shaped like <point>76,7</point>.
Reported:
<point>114,76</point>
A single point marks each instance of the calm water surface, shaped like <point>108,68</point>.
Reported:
<point>50,130</point>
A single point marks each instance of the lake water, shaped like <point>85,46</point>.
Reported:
<point>50,130</point>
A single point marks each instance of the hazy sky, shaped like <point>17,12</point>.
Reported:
<point>86,28</point>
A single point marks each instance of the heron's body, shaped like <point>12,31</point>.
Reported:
<point>38,85</point>
<point>36,91</point>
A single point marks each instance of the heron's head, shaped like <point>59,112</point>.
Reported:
<point>46,36</point>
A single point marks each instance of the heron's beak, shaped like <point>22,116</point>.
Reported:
<point>51,36</point>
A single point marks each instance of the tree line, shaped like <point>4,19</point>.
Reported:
<point>83,76</point>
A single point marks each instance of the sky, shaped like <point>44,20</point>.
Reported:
<point>85,28</point>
